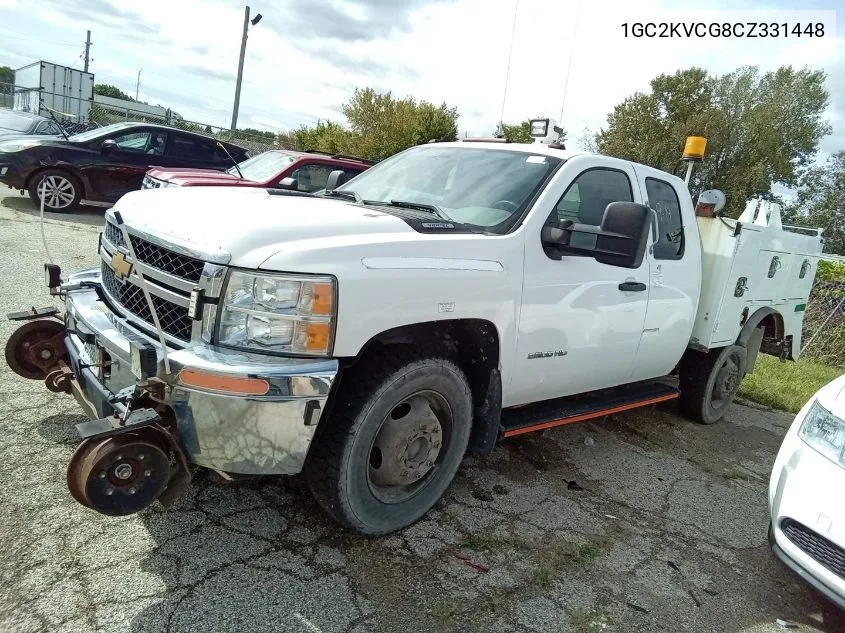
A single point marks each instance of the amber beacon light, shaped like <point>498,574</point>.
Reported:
<point>693,153</point>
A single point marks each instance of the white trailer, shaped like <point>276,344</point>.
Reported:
<point>64,90</point>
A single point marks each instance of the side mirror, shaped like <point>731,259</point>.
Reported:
<point>108,146</point>
<point>288,183</point>
<point>336,179</point>
<point>620,240</point>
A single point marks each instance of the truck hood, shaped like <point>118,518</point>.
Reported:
<point>244,227</point>
<point>197,177</point>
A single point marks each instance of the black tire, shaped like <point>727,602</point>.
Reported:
<point>340,465</point>
<point>64,190</point>
<point>710,381</point>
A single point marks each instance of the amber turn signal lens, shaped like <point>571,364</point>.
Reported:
<point>230,384</point>
<point>317,340</point>
<point>323,299</point>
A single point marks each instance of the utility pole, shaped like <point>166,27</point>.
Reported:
<point>240,71</point>
<point>138,84</point>
<point>87,50</point>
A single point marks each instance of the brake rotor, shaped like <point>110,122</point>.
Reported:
<point>119,475</point>
<point>35,348</point>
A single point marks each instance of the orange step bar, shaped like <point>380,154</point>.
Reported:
<point>591,415</point>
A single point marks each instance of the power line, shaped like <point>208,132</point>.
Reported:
<point>5,35</point>
<point>508,71</point>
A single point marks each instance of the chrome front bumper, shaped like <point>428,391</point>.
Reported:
<point>265,435</point>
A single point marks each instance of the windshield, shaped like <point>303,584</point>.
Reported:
<point>264,166</point>
<point>90,135</point>
<point>488,188</point>
<point>9,121</point>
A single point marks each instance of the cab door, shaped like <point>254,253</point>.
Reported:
<point>675,274</point>
<point>581,320</point>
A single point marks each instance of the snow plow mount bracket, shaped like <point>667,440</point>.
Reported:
<point>113,425</point>
<point>33,313</point>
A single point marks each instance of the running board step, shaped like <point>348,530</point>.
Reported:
<point>596,404</point>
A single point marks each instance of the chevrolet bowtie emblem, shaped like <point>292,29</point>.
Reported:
<point>122,268</point>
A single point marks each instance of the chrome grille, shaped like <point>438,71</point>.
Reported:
<point>817,547</point>
<point>114,235</point>
<point>153,255</point>
<point>173,318</point>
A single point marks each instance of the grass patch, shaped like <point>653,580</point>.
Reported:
<point>543,576</point>
<point>787,385</point>
<point>588,552</point>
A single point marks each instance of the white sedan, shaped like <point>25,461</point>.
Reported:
<point>807,494</point>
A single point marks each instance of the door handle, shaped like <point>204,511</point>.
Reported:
<point>632,286</point>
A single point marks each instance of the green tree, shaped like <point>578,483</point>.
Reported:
<point>325,136</point>
<point>107,90</point>
<point>384,125</point>
<point>256,135</point>
<point>760,129</point>
<point>521,132</point>
<point>821,202</point>
<point>517,132</point>
<point>378,126</point>
<point>7,75</point>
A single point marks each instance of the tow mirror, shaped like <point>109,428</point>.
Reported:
<point>620,240</point>
<point>108,146</point>
<point>288,183</point>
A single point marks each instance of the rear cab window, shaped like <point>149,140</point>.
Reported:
<point>663,198</point>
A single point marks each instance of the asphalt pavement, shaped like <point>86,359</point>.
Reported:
<point>641,522</point>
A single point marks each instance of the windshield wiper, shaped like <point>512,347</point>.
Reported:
<point>421,206</point>
<point>343,193</point>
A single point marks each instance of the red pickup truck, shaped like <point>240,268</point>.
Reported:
<point>309,170</point>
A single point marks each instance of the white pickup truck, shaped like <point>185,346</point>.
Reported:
<point>451,296</point>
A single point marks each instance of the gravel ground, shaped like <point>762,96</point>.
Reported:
<point>641,522</point>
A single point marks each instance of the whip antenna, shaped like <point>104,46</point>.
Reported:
<point>569,64</point>
<point>508,71</point>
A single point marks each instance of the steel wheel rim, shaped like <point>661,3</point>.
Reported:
<point>58,191</point>
<point>403,457</point>
<point>726,383</point>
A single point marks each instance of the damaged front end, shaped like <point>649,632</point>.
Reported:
<point>154,421</point>
<point>128,459</point>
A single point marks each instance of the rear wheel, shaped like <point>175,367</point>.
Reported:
<point>709,382</point>
<point>394,441</point>
<point>62,191</point>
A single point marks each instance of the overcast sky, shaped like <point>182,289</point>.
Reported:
<point>306,56</point>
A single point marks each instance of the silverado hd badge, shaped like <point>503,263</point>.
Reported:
<point>558,352</point>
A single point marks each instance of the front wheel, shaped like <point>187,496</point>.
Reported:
<point>392,444</point>
<point>709,382</point>
<point>62,191</point>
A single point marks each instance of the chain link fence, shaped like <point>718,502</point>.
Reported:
<point>823,338</point>
<point>100,114</point>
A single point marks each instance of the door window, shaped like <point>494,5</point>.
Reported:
<point>312,177</point>
<point>663,198</point>
<point>585,200</point>
<point>133,142</point>
<point>190,148</point>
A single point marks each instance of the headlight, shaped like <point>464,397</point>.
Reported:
<point>824,432</point>
<point>279,313</point>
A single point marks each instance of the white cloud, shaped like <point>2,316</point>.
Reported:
<point>452,51</point>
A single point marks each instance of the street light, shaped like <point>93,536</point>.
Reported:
<point>247,22</point>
